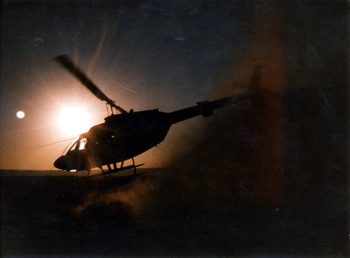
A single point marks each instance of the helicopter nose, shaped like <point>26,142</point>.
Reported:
<point>61,163</point>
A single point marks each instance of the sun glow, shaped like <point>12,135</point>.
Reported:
<point>73,121</point>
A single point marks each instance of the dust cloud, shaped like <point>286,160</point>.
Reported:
<point>236,158</point>
<point>239,157</point>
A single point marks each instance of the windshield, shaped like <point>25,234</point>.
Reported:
<point>70,146</point>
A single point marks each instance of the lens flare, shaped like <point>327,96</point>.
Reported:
<point>20,114</point>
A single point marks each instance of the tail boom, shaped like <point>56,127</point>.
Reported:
<point>206,108</point>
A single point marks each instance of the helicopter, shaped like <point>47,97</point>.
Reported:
<point>125,135</point>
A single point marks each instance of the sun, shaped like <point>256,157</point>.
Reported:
<point>73,120</point>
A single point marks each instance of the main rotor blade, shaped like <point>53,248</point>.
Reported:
<point>54,143</point>
<point>81,76</point>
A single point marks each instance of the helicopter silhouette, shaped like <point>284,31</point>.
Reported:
<point>125,135</point>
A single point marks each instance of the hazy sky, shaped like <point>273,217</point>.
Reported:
<point>142,54</point>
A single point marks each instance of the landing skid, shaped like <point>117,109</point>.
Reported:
<point>115,169</point>
<point>122,169</point>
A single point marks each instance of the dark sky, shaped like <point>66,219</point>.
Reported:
<point>142,54</point>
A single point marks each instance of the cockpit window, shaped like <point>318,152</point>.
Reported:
<point>82,144</point>
<point>70,146</point>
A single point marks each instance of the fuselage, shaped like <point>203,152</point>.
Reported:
<point>119,138</point>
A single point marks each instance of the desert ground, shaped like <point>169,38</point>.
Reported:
<point>59,214</point>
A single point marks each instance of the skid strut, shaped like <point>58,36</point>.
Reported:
<point>115,169</point>
<point>133,163</point>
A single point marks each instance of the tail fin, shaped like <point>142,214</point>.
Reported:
<point>255,90</point>
<point>255,83</point>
